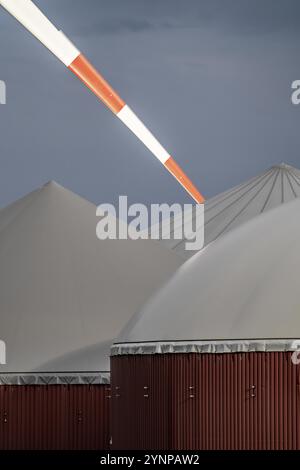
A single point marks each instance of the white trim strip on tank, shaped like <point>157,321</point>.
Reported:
<point>130,119</point>
<point>31,17</point>
<point>201,347</point>
<point>55,378</point>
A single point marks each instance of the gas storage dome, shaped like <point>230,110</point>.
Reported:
<point>62,289</point>
<point>64,296</point>
<point>226,211</point>
<point>216,345</point>
<point>244,286</point>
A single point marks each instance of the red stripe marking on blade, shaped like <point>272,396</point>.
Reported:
<point>95,82</point>
<point>181,177</point>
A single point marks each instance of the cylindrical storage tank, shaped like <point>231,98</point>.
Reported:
<point>211,361</point>
<point>64,296</point>
<point>65,414</point>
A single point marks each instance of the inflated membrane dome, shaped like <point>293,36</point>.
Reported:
<point>64,294</point>
<point>242,292</point>
<point>232,208</point>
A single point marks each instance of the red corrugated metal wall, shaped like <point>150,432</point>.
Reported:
<point>54,417</point>
<point>206,401</point>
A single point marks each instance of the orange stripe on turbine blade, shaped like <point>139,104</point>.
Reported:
<point>95,82</point>
<point>181,177</point>
<point>87,73</point>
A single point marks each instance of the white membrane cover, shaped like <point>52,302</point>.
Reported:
<point>239,293</point>
<point>228,210</point>
<point>64,294</point>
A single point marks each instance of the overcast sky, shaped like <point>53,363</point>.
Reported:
<point>211,78</point>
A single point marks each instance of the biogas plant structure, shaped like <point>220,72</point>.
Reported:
<point>141,344</point>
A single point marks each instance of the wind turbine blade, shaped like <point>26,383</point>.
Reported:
<point>31,17</point>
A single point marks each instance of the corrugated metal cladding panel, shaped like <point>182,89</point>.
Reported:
<point>54,417</point>
<point>206,401</point>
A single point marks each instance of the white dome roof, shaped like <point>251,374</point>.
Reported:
<point>64,294</point>
<point>243,286</point>
<point>226,211</point>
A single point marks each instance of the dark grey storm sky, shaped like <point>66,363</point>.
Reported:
<point>211,78</point>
